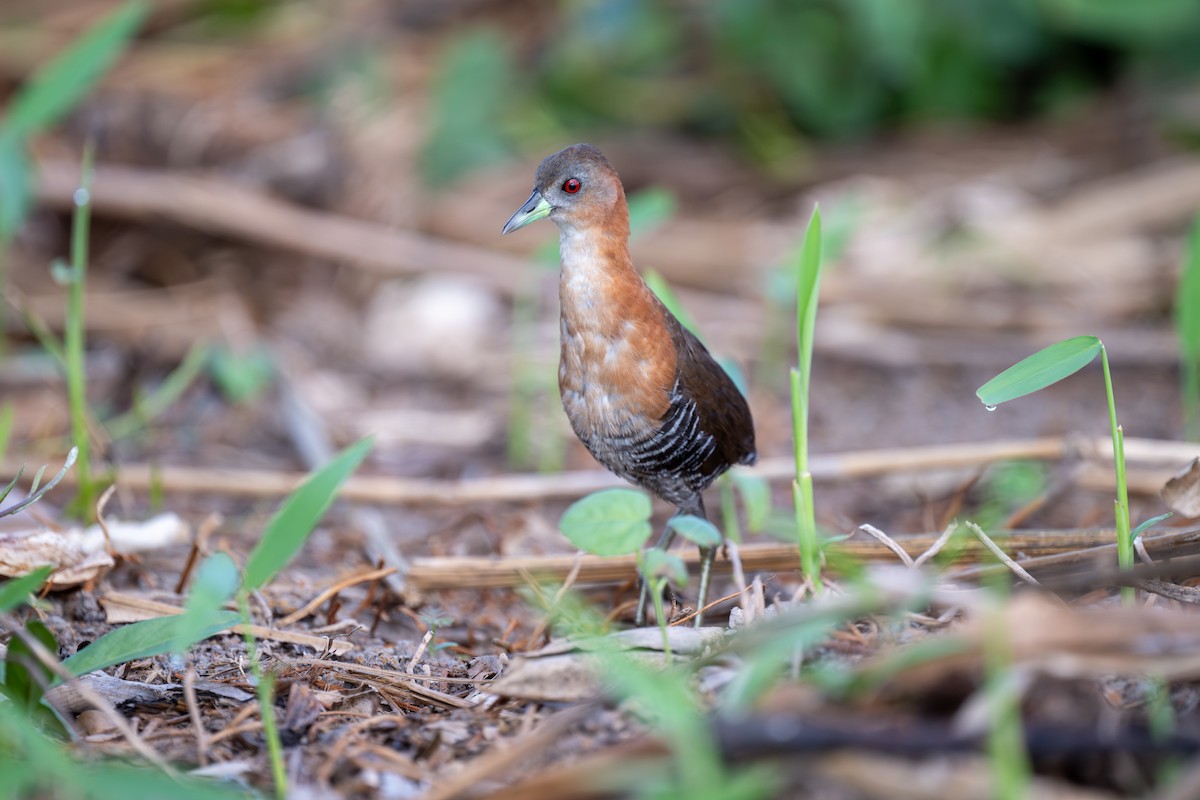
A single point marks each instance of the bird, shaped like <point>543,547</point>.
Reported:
<point>641,392</point>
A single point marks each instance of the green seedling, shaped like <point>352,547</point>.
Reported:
<point>1048,366</point>
<point>48,96</point>
<point>217,580</point>
<point>665,697</point>
<point>612,522</point>
<point>241,376</point>
<point>1009,760</point>
<point>35,492</point>
<point>808,285</point>
<point>1187,325</point>
<point>74,349</point>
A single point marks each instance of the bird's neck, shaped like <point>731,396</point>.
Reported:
<point>598,285</point>
<point>617,362</point>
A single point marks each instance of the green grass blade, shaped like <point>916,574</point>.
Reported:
<point>1187,326</point>
<point>7,415</point>
<point>15,195</point>
<point>59,85</point>
<point>14,592</point>
<point>157,402</point>
<point>1043,368</point>
<point>807,291</point>
<point>299,514</point>
<point>150,637</point>
<point>216,581</point>
<point>1150,523</point>
<point>38,494</point>
<point>4,493</point>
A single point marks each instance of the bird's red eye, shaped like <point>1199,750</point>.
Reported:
<point>571,186</point>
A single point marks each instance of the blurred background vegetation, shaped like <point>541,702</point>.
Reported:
<point>769,76</point>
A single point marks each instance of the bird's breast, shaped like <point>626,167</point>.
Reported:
<point>617,365</point>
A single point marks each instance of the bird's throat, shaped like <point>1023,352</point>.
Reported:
<point>617,364</point>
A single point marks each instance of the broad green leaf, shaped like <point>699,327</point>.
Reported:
<point>59,85</point>
<point>1040,370</point>
<point>299,514</point>
<point>150,637</point>
<point>24,675</point>
<point>612,522</point>
<point>116,781</point>
<point>14,593</point>
<point>659,563</point>
<point>696,530</point>
<point>216,581</point>
<point>26,678</point>
<point>756,497</point>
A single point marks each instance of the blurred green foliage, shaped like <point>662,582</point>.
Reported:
<point>766,74</point>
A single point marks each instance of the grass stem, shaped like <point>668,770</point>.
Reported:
<point>265,689</point>
<point>1124,536</point>
<point>74,333</point>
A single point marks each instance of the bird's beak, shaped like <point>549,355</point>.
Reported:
<point>534,209</point>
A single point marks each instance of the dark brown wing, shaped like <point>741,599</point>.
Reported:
<point>723,412</point>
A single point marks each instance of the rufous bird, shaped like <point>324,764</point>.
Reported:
<point>642,393</point>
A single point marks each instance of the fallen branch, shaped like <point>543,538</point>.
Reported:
<point>389,491</point>
<point>428,574</point>
<point>223,207</point>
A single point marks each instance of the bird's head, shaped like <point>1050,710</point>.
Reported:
<point>576,188</point>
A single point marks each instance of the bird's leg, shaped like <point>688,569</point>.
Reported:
<point>664,541</point>
<point>707,556</point>
<point>693,506</point>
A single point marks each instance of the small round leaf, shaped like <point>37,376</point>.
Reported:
<point>696,529</point>
<point>659,563</point>
<point>612,522</point>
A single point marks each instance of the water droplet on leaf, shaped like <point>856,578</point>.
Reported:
<point>81,197</point>
<point>989,407</point>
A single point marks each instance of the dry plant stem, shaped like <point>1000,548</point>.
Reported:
<point>1005,559</point>
<point>430,574</point>
<point>937,546</point>
<point>733,550</point>
<point>568,582</point>
<point>381,490</point>
<point>496,761</point>
<point>103,523</point>
<point>392,678</point>
<point>97,702</point>
<point>686,618</point>
<point>312,440</point>
<point>320,599</point>
<point>888,542</point>
<point>189,695</point>
<point>348,738</point>
<point>223,207</point>
<point>412,662</point>
<point>130,608</point>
